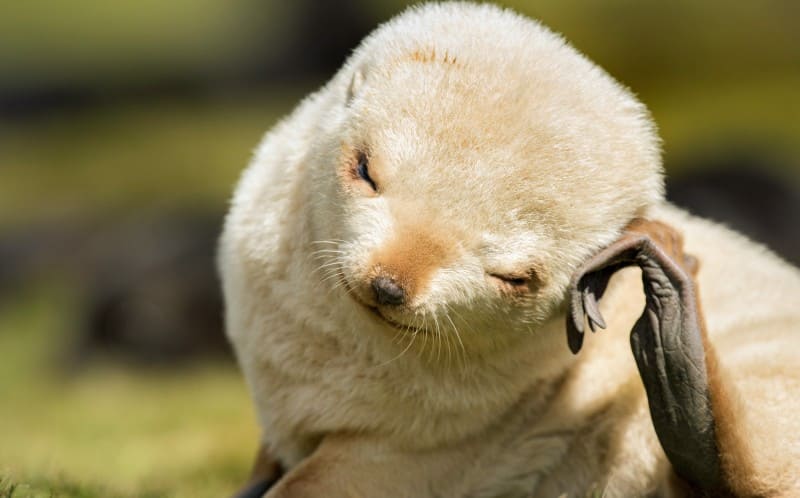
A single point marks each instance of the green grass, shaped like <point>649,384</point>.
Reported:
<point>60,487</point>
<point>119,158</point>
<point>110,431</point>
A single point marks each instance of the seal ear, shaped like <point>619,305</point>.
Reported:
<point>590,281</point>
<point>356,82</point>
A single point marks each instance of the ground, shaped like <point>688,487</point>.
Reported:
<point>109,430</point>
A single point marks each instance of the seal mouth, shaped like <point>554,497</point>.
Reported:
<point>376,312</point>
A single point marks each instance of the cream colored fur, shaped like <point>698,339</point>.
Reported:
<point>497,149</point>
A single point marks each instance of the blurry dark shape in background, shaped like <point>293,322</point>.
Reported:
<point>154,296</point>
<point>145,287</point>
<point>745,190</point>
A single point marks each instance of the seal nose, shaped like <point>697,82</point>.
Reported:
<point>387,291</point>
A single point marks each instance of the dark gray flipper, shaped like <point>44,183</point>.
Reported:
<point>667,344</point>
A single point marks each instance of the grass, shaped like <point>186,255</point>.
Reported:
<point>60,487</point>
<point>121,158</point>
<point>109,431</point>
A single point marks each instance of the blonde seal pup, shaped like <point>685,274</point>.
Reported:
<point>413,255</point>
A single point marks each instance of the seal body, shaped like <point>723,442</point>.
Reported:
<point>396,259</point>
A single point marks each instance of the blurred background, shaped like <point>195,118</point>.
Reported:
<point>124,125</point>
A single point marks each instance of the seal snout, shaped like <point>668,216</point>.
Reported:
<point>388,291</point>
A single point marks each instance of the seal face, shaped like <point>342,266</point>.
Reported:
<point>468,171</point>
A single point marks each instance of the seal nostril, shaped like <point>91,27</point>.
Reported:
<point>387,291</point>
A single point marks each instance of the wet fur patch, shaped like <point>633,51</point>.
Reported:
<point>429,55</point>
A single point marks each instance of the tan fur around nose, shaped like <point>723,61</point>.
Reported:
<point>410,257</point>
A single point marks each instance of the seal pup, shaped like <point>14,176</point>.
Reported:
<point>403,252</point>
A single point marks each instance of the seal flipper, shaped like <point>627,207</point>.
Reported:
<point>668,343</point>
